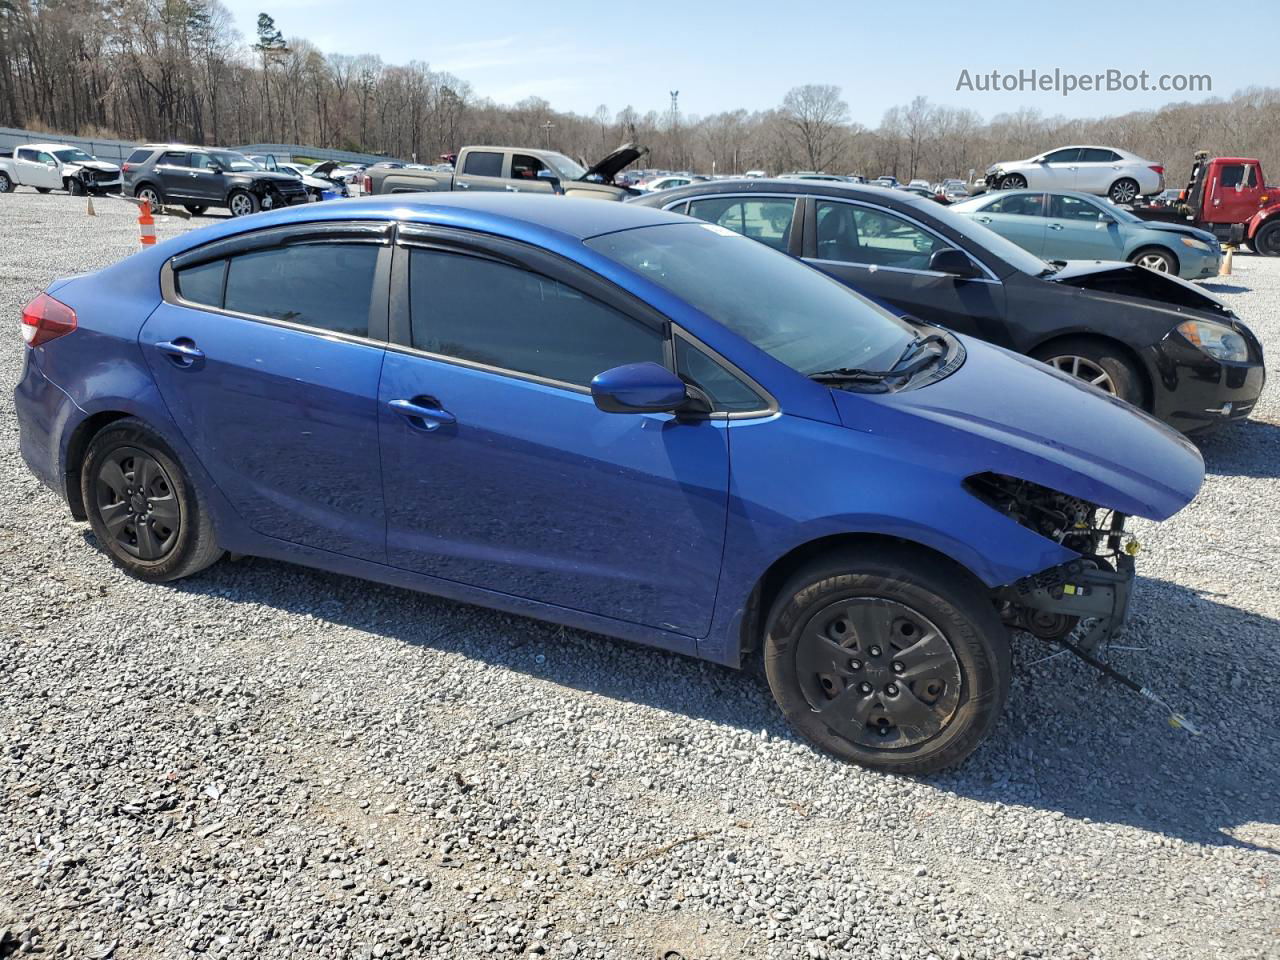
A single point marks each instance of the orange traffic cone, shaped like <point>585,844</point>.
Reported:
<point>1225,269</point>
<point>146,225</point>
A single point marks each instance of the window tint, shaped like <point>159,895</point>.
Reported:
<point>481,163</point>
<point>45,157</point>
<point>175,159</point>
<point>726,391</point>
<point>1019,204</point>
<point>322,285</point>
<point>138,156</point>
<point>1233,175</point>
<point>201,161</point>
<point>1098,155</point>
<point>768,221</point>
<point>864,235</point>
<point>203,283</point>
<point>506,317</point>
<point>26,155</point>
<point>523,167</point>
<point>1073,208</point>
<point>1069,155</point>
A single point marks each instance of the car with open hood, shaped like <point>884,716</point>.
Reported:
<point>1149,338</point>
<point>514,170</point>
<point>530,405</point>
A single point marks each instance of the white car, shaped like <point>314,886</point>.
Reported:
<point>314,179</point>
<point>55,166</point>
<point>665,183</point>
<point>1103,171</point>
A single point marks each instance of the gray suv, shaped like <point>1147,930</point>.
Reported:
<point>202,177</point>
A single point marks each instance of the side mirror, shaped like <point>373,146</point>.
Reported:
<point>639,388</point>
<point>546,176</point>
<point>952,261</point>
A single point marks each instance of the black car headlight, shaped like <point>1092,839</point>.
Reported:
<point>1215,339</point>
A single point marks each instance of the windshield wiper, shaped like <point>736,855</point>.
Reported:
<point>897,370</point>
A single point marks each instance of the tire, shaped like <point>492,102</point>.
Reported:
<point>1124,190</point>
<point>241,203</point>
<point>195,209</point>
<point>151,194</point>
<point>1013,181</point>
<point>1089,359</point>
<point>1266,242</point>
<point>73,186</point>
<point>1156,258</point>
<point>43,189</point>
<point>900,600</point>
<point>179,538</point>
<point>6,185</point>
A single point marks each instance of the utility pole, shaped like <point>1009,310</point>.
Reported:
<point>675,127</point>
<point>546,129</point>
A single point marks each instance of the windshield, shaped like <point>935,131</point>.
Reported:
<point>790,311</point>
<point>72,156</point>
<point>1006,250</point>
<point>565,168</point>
<point>236,162</point>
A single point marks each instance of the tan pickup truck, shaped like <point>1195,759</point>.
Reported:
<point>514,169</point>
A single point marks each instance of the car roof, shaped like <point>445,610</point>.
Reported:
<point>829,188</point>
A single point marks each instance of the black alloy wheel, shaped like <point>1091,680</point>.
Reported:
<point>137,503</point>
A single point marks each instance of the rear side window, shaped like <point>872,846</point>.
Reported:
<point>29,155</point>
<point>176,159</point>
<point>481,163</point>
<point>202,284</point>
<point>507,317</point>
<point>1098,155</point>
<point>327,286</point>
<point>139,156</point>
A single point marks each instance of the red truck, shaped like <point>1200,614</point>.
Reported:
<point>1227,196</point>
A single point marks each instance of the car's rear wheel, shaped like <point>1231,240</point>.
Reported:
<point>1156,258</point>
<point>1013,181</point>
<point>6,185</point>
<point>150,194</point>
<point>195,209</point>
<point>142,506</point>
<point>1124,190</point>
<point>43,189</point>
<point>1097,363</point>
<point>888,658</point>
<point>1267,240</point>
<point>241,203</point>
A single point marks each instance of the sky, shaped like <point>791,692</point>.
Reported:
<point>747,53</point>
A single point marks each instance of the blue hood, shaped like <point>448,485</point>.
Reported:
<point>1008,414</point>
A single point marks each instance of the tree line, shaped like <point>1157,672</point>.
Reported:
<point>179,70</point>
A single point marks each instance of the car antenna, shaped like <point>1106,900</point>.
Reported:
<point>1176,720</point>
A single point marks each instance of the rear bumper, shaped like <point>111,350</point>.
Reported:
<point>1195,393</point>
<point>42,411</point>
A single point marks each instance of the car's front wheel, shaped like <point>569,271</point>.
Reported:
<point>1099,364</point>
<point>241,203</point>
<point>142,506</point>
<point>1013,181</point>
<point>1155,258</point>
<point>889,658</point>
<point>1267,240</point>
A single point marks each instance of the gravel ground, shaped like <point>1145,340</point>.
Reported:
<point>269,761</point>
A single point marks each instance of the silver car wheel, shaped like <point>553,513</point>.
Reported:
<point>1154,261</point>
<point>241,205</point>
<point>1084,369</point>
<point>149,195</point>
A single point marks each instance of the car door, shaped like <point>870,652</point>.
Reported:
<point>38,168</point>
<point>1233,193</point>
<point>1079,229</point>
<point>1097,169</point>
<point>885,255</point>
<point>499,470</point>
<point>267,350</point>
<point>1055,171</point>
<point>530,175</point>
<point>1018,217</point>
<point>207,182</point>
<point>177,178</point>
<point>482,170</point>
<point>770,219</point>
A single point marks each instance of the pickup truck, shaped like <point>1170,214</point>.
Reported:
<point>514,169</point>
<point>1227,196</point>
<point>55,166</point>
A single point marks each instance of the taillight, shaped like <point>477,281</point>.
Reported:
<point>366,184</point>
<point>1159,170</point>
<point>45,319</point>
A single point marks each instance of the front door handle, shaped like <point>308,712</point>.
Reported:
<point>1055,226</point>
<point>983,219</point>
<point>424,413</point>
<point>182,351</point>
<point>463,186</point>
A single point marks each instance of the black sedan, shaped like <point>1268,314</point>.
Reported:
<point>1149,338</point>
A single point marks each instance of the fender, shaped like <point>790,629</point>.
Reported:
<point>1263,216</point>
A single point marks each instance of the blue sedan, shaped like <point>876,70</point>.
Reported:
<point>610,417</point>
<point>1066,225</point>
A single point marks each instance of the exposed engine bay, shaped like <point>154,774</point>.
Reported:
<point>1091,593</point>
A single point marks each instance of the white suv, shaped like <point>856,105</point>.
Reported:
<point>1104,171</point>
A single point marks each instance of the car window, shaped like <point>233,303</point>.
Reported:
<point>176,159</point>
<point>29,155</point>
<point>1233,175</point>
<point>483,163</point>
<point>323,285</point>
<point>1018,204</point>
<point>1098,155</point>
<point>203,283</point>
<point>138,156</point>
<point>1069,155</point>
<point>504,316</point>
<point>45,157</point>
<point>727,392</point>
<point>855,234</point>
<point>766,220</point>
<point>525,167</point>
<point>1064,207</point>
<point>201,161</point>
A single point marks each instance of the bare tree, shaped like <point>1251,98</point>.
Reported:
<point>818,117</point>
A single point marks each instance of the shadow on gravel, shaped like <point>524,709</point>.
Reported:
<point>1247,449</point>
<point>1070,741</point>
<point>1224,286</point>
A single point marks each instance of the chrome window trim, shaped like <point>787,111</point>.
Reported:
<point>751,194</point>
<point>877,267</point>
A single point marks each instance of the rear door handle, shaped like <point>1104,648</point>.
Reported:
<point>424,413</point>
<point>463,186</point>
<point>182,350</point>
<point>1055,226</point>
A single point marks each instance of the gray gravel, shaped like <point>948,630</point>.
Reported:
<point>269,761</point>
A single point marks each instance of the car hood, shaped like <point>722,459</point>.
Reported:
<point>1128,279</point>
<point>612,165</point>
<point>1023,419</point>
<point>325,168</point>
<point>100,165</point>
<point>1180,228</point>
